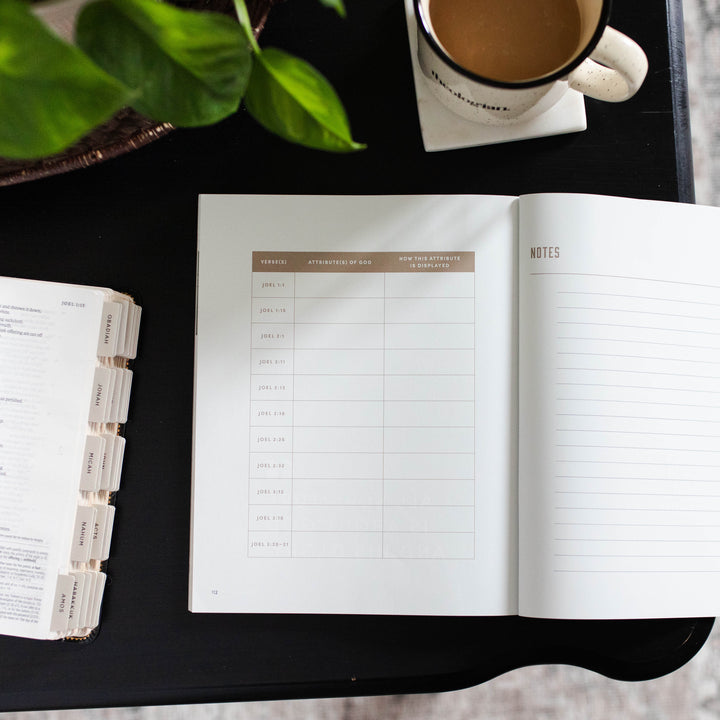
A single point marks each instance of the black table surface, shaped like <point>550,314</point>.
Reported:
<point>130,223</point>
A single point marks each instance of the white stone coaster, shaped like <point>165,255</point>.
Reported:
<point>442,129</point>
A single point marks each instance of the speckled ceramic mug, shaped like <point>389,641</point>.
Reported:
<point>607,65</point>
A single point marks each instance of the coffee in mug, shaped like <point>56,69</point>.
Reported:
<point>506,61</point>
<point>508,40</point>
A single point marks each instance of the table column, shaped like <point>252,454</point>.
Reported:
<point>429,466</point>
<point>271,415</point>
<point>337,411</point>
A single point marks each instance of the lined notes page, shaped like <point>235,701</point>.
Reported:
<point>355,406</point>
<point>619,408</point>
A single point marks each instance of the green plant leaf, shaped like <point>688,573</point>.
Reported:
<point>244,19</point>
<point>336,5</point>
<point>292,99</point>
<point>190,68</point>
<point>51,94</point>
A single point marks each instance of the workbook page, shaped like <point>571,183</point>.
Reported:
<point>619,408</point>
<point>354,406</point>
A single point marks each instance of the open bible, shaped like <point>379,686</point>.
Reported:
<point>457,405</point>
<point>64,393</point>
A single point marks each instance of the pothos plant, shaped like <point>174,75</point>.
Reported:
<point>174,65</point>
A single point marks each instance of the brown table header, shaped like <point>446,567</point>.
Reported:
<point>370,262</point>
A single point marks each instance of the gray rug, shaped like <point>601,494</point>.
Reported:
<point>702,37</point>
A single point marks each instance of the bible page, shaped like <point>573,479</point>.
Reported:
<point>619,408</point>
<point>354,406</point>
<point>48,342</point>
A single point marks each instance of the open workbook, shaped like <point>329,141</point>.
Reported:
<point>64,392</point>
<point>457,405</point>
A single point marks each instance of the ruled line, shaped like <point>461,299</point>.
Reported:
<point>633,572</point>
<point>639,327</point>
<point>637,402</point>
<point>634,494</point>
<point>637,509</point>
<point>631,540</point>
<point>634,432</point>
<point>636,297</point>
<point>635,556</point>
<point>645,525</point>
<point>636,462</point>
<point>633,447</point>
<point>631,479</point>
<point>637,312</point>
<point>629,277</point>
<point>635,417</point>
<point>638,357</point>
<point>643,372</point>
<point>639,342</point>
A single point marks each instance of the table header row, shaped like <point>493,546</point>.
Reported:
<point>368,262</point>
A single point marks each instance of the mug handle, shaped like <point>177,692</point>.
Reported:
<point>623,69</point>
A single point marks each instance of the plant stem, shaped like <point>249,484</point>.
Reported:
<point>244,19</point>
